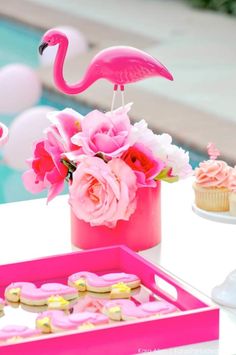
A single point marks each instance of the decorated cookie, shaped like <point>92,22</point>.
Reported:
<point>12,333</point>
<point>120,290</point>
<point>2,304</point>
<point>56,321</point>
<point>31,309</point>
<point>89,304</point>
<point>58,302</point>
<point>126,309</point>
<point>88,281</point>
<point>28,293</point>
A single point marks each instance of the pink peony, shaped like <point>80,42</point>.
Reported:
<point>145,166</point>
<point>101,193</point>
<point>108,134</point>
<point>65,124</point>
<point>46,171</point>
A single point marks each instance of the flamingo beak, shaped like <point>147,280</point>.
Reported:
<point>42,47</point>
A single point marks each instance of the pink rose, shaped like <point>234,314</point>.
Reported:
<point>108,134</point>
<point>101,193</point>
<point>142,162</point>
<point>46,171</point>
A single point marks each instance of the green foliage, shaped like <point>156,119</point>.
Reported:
<point>226,6</point>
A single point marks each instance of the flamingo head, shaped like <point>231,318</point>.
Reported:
<point>52,38</point>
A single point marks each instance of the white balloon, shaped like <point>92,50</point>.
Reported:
<point>27,128</point>
<point>20,88</point>
<point>3,134</point>
<point>77,45</point>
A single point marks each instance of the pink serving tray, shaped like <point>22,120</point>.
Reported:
<point>198,321</point>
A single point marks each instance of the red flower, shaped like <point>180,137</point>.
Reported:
<point>145,166</point>
<point>46,171</point>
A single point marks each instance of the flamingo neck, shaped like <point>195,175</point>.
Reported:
<point>59,80</point>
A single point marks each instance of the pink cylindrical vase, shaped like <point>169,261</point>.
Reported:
<point>142,231</point>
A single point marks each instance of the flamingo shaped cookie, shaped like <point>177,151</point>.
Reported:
<point>89,281</point>
<point>28,293</point>
<point>120,65</point>
<point>2,304</point>
<point>127,310</point>
<point>12,333</point>
<point>55,321</point>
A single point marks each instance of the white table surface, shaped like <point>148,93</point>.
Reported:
<point>198,251</point>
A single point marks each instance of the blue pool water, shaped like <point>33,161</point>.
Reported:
<point>19,44</point>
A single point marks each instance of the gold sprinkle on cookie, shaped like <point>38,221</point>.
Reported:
<point>80,284</point>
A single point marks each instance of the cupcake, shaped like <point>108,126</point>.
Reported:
<point>212,181</point>
<point>232,192</point>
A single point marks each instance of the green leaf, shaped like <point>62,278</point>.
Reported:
<point>69,164</point>
<point>165,177</point>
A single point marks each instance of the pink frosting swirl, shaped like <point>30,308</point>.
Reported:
<point>232,179</point>
<point>212,173</point>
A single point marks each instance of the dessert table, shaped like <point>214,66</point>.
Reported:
<point>198,251</point>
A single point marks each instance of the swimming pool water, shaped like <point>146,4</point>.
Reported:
<point>19,44</point>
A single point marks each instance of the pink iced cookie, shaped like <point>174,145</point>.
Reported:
<point>55,321</point>
<point>16,332</point>
<point>89,304</point>
<point>126,309</point>
<point>2,304</point>
<point>28,293</point>
<point>88,281</point>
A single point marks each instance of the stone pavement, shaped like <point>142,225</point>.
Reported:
<point>198,47</point>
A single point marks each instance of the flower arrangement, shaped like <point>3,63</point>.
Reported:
<point>105,159</point>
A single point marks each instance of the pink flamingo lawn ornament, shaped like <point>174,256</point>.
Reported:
<point>3,134</point>
<point>120,65</point>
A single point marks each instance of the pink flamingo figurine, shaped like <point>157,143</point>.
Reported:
<point>212,151</point>
<point>120,65</point>
<point>3,134</point>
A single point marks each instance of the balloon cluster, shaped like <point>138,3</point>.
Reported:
<point>21,90</point>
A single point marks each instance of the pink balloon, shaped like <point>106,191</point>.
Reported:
<point>24,131</point>
<point>77,45</point>
<point>20,88</point>
<point>3,134</point>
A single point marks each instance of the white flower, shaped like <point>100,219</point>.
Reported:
<point>158,144</point>
<point>178,160</point>
<point>161,146</point>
